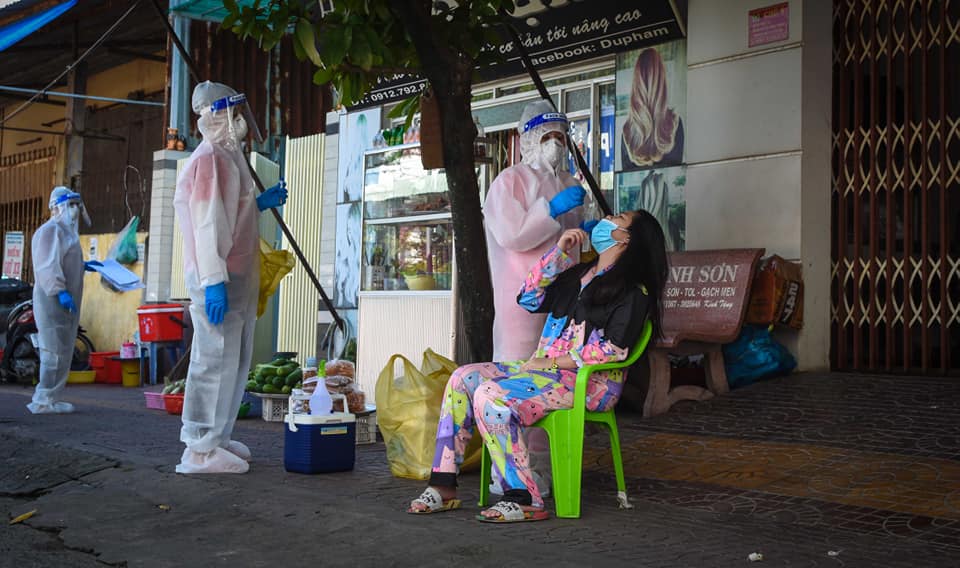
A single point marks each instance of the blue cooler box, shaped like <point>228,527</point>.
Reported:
<point>320,444</point>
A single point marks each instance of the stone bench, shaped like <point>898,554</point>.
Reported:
<point>704,304</point>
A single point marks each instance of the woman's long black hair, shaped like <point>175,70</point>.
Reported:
<point>642,263</point>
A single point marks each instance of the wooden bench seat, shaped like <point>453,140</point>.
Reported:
<point>704,304</point>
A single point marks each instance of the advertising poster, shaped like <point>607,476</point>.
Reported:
<point>13,254</point>
<point>357,131</point>
<point>660,192</point>
<point>651,106</point>
<point>347,261</point>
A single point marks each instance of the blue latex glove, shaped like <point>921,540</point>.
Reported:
<point>273,197</point>
<point>215,298</point>
<point>589,225</point>
<point>89,265</point>
<point>566,200</point>
<point>66,302</point>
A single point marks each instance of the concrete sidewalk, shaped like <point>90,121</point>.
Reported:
<point>811,470</point>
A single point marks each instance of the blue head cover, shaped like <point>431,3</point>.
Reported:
<point>226,102</point>
<point>544,119</point>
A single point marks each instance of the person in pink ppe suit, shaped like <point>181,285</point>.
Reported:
<point>217,206</point>
<point>526,209</point>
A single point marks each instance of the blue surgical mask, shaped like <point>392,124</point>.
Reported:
<point>601,237</point>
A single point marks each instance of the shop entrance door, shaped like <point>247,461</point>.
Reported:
<point>896,187</point>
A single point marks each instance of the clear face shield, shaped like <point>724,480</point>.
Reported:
<point>550,132</point>
<point>240,119</point>
<point>70,205</point>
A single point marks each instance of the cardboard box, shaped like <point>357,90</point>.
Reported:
<point>776,296</point>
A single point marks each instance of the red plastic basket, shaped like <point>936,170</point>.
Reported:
<point>173,403</point>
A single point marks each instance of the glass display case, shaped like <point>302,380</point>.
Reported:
<point>407,233</point>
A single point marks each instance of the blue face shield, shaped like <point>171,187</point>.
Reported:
<point>602,235</point>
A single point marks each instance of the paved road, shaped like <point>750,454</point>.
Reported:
<point>103,486</point>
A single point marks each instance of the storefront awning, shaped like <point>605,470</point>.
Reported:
<point>209,10</point>
<point>20,29</point>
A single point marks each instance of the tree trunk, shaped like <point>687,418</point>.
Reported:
<point>473,271</point>
<point>451,76</point>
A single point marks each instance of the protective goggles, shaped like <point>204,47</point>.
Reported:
<point>236,105</point>
<point>544,119</point>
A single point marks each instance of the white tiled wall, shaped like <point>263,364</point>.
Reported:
<point>160,253</point>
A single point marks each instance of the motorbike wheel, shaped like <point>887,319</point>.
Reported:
<point>24,362</point>
<point>81,353</point>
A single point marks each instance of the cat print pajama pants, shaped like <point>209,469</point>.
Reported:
<point>499,400</point>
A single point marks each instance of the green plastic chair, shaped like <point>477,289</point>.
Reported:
<point>565,431</point>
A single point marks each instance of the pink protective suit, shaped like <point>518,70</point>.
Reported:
<point>217,209</point>
<point>519,231</point>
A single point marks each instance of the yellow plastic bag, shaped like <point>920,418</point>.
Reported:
<point>408,410</point>
<point>274,265</point>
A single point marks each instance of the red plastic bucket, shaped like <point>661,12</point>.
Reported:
<point>107,371</point>
<point>161,322</point>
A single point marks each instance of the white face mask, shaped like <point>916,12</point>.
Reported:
<point>73,213</point>
<point>553,152</point>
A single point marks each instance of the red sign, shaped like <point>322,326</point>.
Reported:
<point>769,25</point>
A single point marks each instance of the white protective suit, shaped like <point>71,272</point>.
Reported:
<point>57,266</point>
<point>520,230</point>
<point>216,207</point>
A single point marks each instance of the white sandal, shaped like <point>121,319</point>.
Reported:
<point>434,502</point>
<point>511,512</point>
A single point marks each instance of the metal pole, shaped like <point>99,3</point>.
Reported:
<point>192,65</point>
<point>581,163</point>
<point>76,96</point>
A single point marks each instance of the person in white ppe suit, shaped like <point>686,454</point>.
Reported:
<point>58,268</point>
<point>526,209</point>
<point>217,207</point>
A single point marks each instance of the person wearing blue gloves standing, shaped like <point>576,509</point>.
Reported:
<point>526,209</point>
<point>57,292</point>
<point>217,207</point>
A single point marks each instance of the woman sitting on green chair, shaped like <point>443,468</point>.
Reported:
<point>596,313</point>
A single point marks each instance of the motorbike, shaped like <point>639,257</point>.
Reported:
<point>20,358</point>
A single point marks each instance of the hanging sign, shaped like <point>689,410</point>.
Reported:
<point>13,254</point>
<point>555,33</point>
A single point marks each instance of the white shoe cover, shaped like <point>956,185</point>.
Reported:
<point>238,449</point>
<point>55,408</point>
<point>217,461</point>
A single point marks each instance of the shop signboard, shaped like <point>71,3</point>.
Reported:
<point>13,254</point>
<point>557,33</point>
<point>707,289</point>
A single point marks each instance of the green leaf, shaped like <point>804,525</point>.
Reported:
<point>360,52</point>
<point>323,76</point>
<point>333,46</point>
<point>304,36</point>
<point>346,90</point>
